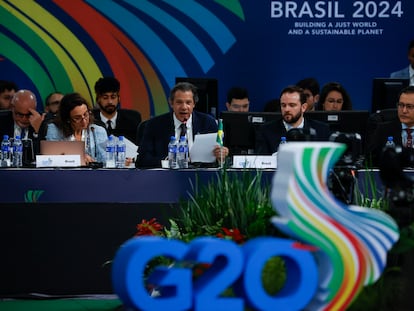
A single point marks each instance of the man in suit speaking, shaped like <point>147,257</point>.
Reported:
<point>182,120</point>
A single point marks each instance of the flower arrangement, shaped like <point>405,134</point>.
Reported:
<point>228,207</point>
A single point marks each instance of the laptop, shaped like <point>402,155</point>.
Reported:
<point>49,147</point>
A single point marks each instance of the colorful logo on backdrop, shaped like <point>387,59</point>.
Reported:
<point>68,45</point>
<point>347,249</point>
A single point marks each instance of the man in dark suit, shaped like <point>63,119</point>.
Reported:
<point>116,121</point>
<point>401,129</point>
<point>22,119</point>
<point>293,105</point>
<point>154,144</point>
<point>407,72</point>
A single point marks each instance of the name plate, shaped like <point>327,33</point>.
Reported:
<point>67,160</point>
<point>254,161</point>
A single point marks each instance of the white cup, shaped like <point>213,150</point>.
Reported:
<point>165,164</point>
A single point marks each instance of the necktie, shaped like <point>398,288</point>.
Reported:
<point>109,127</point>
<point>409,138</point>
<point>183,127</point>
<point>23,133</point>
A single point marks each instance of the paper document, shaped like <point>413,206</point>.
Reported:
<point>131,148</point>
<point>202,149</point>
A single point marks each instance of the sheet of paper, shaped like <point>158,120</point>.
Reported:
<point>202,149</point>
<point>131,149</point>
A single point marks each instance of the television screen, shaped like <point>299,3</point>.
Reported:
<point>385,92</point>
<point>239,129</point>
<point>207,90</point>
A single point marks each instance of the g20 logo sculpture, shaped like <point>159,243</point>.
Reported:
<point>231,266</point>
<point>351,245</point>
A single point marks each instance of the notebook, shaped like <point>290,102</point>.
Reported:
<point>48,147</point>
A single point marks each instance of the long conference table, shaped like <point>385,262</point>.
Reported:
<point>58,227</point>
<point>102,185</point>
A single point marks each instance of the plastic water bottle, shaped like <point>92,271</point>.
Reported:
<point>283,141</point>
<point>6,152</point>
<point>120,152</point>
<point>390,142</point>
<point>17,152</point>
<point>110,152</point>
<point>172,153</point>
<point>182,153</point>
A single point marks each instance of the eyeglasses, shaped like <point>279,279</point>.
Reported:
<point>79,119</point>
<point>333,101</point>
<point>408,106</point>
<point>22,115</point>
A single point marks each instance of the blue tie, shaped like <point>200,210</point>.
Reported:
<point>23,133</point>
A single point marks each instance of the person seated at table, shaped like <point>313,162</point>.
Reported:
<point>7,90</point>
<point>117,121</point>
<point>52,103</point>
<point>406,72</point>
<point>74,122</point>
<point>334,97</point>
<point>182,120</point>
<point>22,119</point>
<point>293,105</point>
<point>238,99</point>
<point>401,129</point>
<point>311,88</point>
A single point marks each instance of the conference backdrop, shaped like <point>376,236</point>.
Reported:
<point>66,45</point>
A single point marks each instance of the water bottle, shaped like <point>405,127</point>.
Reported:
<point>182,153</point>
<point>283,141</point>
<point>110,152</point>
<point>6,152</point>
<point>172,153</point>
<point>17,152</point>
<point>390,142</point>
<point>120,152</point>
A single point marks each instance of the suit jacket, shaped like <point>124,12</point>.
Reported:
<point>154,143</point>
<point>269,134</point>
<point>376,140</point>
<point>126,125</point>
<point>7,128</point>
<point>401,74</point>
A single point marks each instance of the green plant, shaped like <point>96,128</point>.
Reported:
<point>232,207</point>
<point>229,201</point>
<point>370,195</point>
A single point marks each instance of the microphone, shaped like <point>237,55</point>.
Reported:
<point>94,139</point>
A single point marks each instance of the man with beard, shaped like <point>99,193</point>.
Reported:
<point>116,121</point>
<point>293,105</point>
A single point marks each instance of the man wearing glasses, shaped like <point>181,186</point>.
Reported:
<point>401,129</point>
<point>22,119</point>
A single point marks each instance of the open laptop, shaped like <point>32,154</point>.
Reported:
<point>48,147</point>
